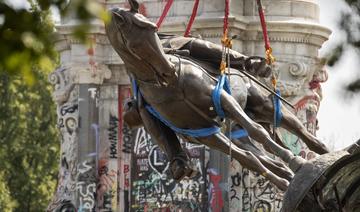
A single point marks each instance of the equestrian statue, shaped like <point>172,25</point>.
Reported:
<point>180,92</point>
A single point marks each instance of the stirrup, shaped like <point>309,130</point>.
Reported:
<point>186,171</point>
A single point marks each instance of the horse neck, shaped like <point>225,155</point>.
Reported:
<point>140,70</point>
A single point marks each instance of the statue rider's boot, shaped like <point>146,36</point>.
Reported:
<point>180,167</point>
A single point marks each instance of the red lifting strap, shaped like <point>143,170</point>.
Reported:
<point>164,13</point>
<point>226,16</point>
<point>192,18</point>
<point>263,25</point>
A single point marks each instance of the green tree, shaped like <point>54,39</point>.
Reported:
<point>29,147</point>
<point>27,38</point>
<point>350,25</point>
<point>29,151</point>
<point>7,204</point>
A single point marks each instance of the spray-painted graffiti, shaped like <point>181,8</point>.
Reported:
<point>113,138</point>
<point>124,134</point>
<point>251,192</point>
<point>86,185</point>
<point>127,135</point>
<point>215,193</point>
<point>152,185</point>
<point>107,172</point>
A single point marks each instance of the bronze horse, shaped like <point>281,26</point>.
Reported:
<point>180,90</point>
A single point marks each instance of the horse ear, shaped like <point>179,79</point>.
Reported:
<point>119,18</point>
<point>134,6</point>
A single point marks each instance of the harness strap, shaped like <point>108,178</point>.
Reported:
<point>192,18</point>
<point>223,83</point>
<point>277,108</point>
<point>164,13</point>
<point>189,132</point>
<point>238,134</point>
<point>135,88</point>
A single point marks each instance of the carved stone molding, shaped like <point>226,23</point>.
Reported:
<point>65,78</point>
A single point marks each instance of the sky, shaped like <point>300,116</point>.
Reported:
<point>339,114</point>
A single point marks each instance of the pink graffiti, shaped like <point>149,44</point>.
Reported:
<point>302,102</point>
<point>142,9</point>
<point>216,200</point>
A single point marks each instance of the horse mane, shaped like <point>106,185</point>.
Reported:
<point>142,21</point>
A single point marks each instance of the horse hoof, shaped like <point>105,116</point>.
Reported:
<point>283,184</point>
<point>180,168</point>
<point>296,163</point>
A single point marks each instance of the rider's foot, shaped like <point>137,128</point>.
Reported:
<point>180,168</point>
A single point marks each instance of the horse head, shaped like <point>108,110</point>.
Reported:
<point>135,39</point>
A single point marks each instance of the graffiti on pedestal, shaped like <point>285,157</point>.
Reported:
<point>114,152</point>
<point>214,190</point>
<point>251,192</point>
<point>107,184</point>
<point>153,188</point>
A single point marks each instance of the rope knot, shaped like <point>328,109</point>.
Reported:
<point>226,41</point>
<point>270,59</point>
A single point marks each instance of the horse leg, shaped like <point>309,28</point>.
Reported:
<point>274,166</point>
<point>262,108</point>
<point>256,131</point>
<point>291,123</point>
<point>220,142</point>
<point>278,139</point>
<point>168,142</point>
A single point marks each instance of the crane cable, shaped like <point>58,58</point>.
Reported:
<point>270,59</point>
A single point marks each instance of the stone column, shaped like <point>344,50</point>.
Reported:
<point>87,87</point>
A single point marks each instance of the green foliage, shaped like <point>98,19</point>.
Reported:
<point>27,35</point>
<point>29,147</point>
<point>350,24</point>
<point>7,204</point>
<point>29,152</point>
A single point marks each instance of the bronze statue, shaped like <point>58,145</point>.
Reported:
<point>180,90</point>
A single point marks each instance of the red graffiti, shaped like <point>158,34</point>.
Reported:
<point>314,84</point>
<point>216,200</point>
<point>127,183</point>
<point>91,51</point>
<point>126,168</point>
<point>142,9</point>
<point>302,102</point>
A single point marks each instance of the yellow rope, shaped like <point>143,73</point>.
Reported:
<point>270,59</point>
<point>227,44</point>
<point>226,41</point>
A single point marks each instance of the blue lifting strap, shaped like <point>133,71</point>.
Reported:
<point>223,83</point>
<point>189,132</point>
<point>134,87</point>
<point>277,108</point>
<point>238,134</point>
